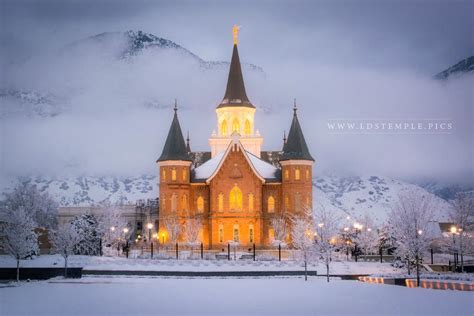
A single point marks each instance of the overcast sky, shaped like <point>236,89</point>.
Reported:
<point>341,59</point>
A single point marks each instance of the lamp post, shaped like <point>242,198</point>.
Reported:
<point>150,226</point>
<point>453,231</point>
<point>125,233</point>
<point>357,227</point>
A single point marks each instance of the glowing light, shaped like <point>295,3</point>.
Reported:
<point>320,224</point>
<point>420,232</point>
<point>125,230</point>
<point>235,33</point>
<point>369,229</point>
<point>346,229</point>
<point>149,225</point>
<point>348,217</point>
<point>453,229</point>
<point>112,228</point>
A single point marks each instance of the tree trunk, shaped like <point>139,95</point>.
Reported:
<point>65,267</point>
<point>408,265</point>
<point>327,271</point>
<point>305,270</point>
<point>18,269</point>
<point>417,271</point>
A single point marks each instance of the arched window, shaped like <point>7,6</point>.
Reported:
<point>163,174</point>
<point>200,204</point>
<point>297,174</point>
<point>174,202</point>
<point>221,233</point>
<point>287,203</point>
<point>287,174</point>
<point>247,128</point>
<point>271,204</point>
<point>235,126</point>
<point>307,174</point>
<point>220,202</point>
<point>173,174</point>
<point>224,128</point>
<point>251,233</point>
<point>184,202</point>
<point>185,175</point>
<point>236,233</point>
<point>251,202</point>
<point>235,199</point>
<point>271,234</point>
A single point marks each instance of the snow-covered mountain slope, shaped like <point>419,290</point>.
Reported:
<point>464,66</point>
<point>351,196</point>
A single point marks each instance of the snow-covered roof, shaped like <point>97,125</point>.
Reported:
<point>262,168</point>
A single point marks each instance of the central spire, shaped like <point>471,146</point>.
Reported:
<point>235,94</point>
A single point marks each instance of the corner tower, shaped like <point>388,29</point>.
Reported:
<point>297,170</point>
<point>235,113</point>
<point>174,170</point>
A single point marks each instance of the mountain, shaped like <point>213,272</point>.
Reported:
<point>349,196</point>
<point>465,66</point>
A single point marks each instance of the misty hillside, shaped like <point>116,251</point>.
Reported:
<point>464,66</point>
<point>351,196</point>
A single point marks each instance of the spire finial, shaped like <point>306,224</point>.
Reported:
<point>294,106</point>
<point>235,33</point>
<point>187,138</point>
<point>175,105</point>
<point>284,137</point>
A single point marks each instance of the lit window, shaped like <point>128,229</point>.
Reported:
<point>221,233</point>
<point>173,174</point>
<point>307,174</point>
<point>224,128</point>
<point>271,234</point>
<point>297,174</point>
<point>200,204</point>
<point>247,129</point>
<point>163,174</point>
<point>235,199</point>
<point>271,204</point>
<point>185,175</point>
<point>236,233</point>
<point>220,202</point>
<point>184,202</point>
<point>174,202</point>
<point>236,126</point>
<point>250,202</point>
<point>287,203</point>
<point>251,234</point>
<point>287,174</point>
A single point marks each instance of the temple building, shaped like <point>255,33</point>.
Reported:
<point>235,189</point>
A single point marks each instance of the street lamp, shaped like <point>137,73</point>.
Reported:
<point>112,228</point>
<point>453,231</point>
<point>149,226</point>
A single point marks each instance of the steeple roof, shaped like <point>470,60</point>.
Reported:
<point>235,94</point>
<point>175,147</point>
<point>295,147</point>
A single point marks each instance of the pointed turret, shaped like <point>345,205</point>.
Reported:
<point>188,146</point>
<point>235,94</point>
<point>175,146</point>
<point>295,147</point>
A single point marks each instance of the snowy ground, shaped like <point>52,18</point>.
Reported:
<point>284,296</point>
<point>114,263</point>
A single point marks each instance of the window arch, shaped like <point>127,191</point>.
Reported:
<point>235,234</point>
<point>220,202</point>
<point>247,128</point>
<point>297,174</point>
<point>173,174</point>
<point>287,174</point>
<point>287,203</point>
<point>221,233</point>
<point>271,204</point>
<point>235,126</point>
<point>271,234</point>
<point>200,204</point>
<point>307,174</point>
<point>224,128</point>
<point>185,175</point>
<point>235,199</point>
<point>251,233</point>
<point>174,202</point>
<point>251,202</point>
<point>163,174</point>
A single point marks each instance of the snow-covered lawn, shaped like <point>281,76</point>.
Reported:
<point>120,263</point>
<point>171,296</point>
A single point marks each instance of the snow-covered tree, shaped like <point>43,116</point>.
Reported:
<point>367,238</point>
<point>174,228</point>
<point>302,236</point>
<point>326,226</point>
<point>191,233</point>
<point>462,216</point>
<point>20,239</point>
<point>411,224</point>
<point>280,228</point>
<point>41,206</point>
<point>64,240</point>
<point>87,227</point>
<point>111,226</point>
